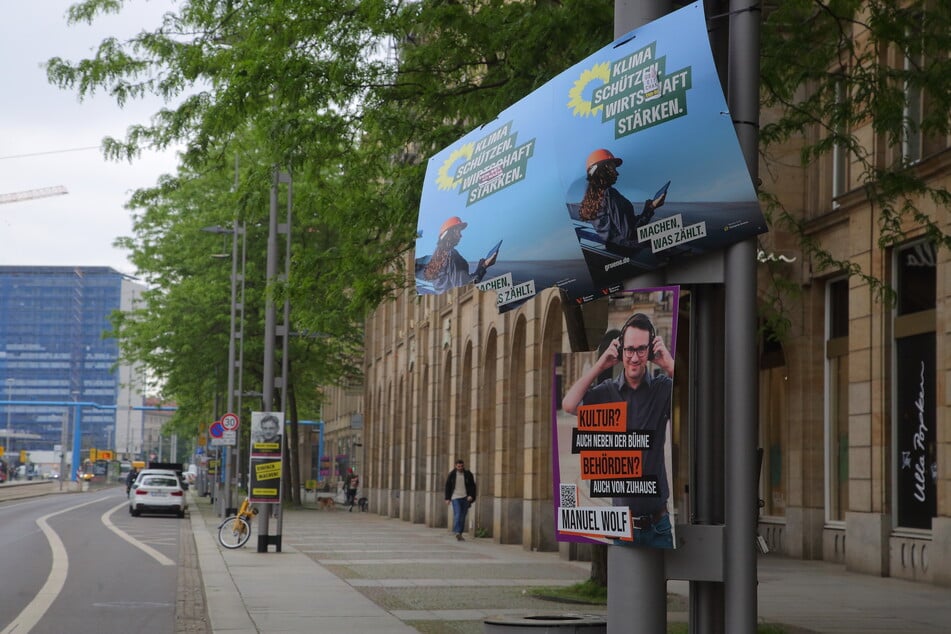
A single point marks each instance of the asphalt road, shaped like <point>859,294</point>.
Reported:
<point>82,563</point>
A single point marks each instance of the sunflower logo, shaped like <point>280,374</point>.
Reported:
<point>580,106</point>
<point>446,181</point>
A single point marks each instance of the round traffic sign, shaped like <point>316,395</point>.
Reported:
<point>216,430</point>
<point>229,421</point>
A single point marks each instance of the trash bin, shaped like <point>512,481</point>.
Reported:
<point>545,623</point>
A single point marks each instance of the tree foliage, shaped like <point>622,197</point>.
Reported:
<point>312,88</point>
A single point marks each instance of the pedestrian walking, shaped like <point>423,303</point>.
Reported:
<point>460,493</point>
<point>353,483</point>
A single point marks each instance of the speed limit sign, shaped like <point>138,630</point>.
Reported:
<point>230,422</point>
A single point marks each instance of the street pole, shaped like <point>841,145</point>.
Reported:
<point>741,396</point>
<point>229,462</point>
<point>64,438</point>
<point>6,439</point>
<point>270,334</point>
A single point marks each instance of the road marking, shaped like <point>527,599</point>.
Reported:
<point>32,613</point>
<point>148,550</point>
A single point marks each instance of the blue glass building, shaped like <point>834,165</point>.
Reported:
<point>53,350</point>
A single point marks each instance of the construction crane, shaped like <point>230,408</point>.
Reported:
<point>30,194</point>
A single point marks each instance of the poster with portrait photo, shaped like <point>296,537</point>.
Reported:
<point>267,433</point>
<point>611,436</point>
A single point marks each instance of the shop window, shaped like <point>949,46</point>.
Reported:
<point>837,406</point>
<point>915,438</point>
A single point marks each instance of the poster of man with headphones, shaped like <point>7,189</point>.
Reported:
<point>612,438</point>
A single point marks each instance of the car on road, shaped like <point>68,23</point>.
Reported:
<point>157,493</point>
<point>153,471</point>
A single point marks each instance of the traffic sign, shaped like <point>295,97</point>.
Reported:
<point>216,430</point>
<point>230,422</point>
<point>229,438</point>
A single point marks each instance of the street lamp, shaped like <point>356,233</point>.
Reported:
<point>235,230</point>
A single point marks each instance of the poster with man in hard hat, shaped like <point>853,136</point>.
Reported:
<point>619,165</point>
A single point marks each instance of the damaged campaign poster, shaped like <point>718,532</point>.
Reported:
<point>612,430</point>
<point>618,165</point>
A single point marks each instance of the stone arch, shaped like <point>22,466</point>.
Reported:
<point>419,425</point>
<point>386,454</point>
<point>512,435</point>
<point>464,416</point>
<point>543,527</point>
<point>371,473</point>
<point>486,457</point>
<point>396,450</point>
<point>441,446</point>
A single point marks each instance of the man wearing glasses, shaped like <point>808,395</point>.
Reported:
<point>648,401</point>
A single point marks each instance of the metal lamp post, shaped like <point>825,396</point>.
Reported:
<point>229,470</point>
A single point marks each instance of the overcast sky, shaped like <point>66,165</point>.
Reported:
<point>49,138</point>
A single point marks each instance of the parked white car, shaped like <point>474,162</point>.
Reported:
<point>157,493</point>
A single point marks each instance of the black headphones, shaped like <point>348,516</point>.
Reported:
<point>641,322</point>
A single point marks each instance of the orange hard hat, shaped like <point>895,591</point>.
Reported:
<point>599,156</point>
<point>452,222</point>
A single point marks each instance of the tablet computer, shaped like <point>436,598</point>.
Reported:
<point>493,250</point>
<point>661,191</point>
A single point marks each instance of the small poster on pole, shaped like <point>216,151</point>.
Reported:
<point>612,431</point>
<point>265,463</point>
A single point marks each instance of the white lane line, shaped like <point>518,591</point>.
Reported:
<point>148,550</point>
<point>32,613</point>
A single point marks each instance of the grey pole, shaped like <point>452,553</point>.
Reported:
<point>637,583</point>
<point>270,331</point>
<point>229,458</point>
<point>64,438</point>
<point>285,346</point>
<point>706,441</point>
<point>706,390</point>
<point>6,440</point>
<point>741,373</point>
<point>240,335</point>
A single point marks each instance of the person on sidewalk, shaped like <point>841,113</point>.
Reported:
<point>461,493</point>
<point>353,483</point>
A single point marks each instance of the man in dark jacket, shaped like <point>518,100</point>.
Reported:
<point>461,493</point>
<point>130,479</point>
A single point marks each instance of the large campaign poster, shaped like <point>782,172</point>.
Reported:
<point>618,165</point>
<point>265,468</point>
<point>612,457</point>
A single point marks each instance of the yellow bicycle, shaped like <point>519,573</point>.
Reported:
<point>235,531</point>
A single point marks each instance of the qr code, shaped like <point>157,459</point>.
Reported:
<point>568,498</point>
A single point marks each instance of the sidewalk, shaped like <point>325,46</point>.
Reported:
<point>360,573</point>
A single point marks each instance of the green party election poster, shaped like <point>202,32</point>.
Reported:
<point>619,165</point>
